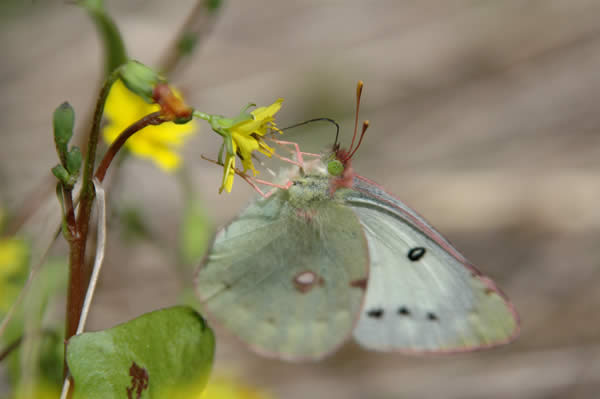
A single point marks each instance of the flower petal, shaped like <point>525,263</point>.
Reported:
<point>268,111</point>
<point>261,118</point>
<point>228,171</point>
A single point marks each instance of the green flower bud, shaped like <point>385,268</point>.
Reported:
<point>140,79</point>
<point>63,121</point>
<point>74,161</point>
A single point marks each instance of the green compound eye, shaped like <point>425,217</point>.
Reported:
<point>335,167</point>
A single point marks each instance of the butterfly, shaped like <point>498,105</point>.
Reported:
<point>333,255</point>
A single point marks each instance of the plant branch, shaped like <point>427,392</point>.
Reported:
<point>67,194</point>
<point>77,283</point>
<point>8,350</point>
<point>17,342</point>
<point>148,120</point>
<point>196,28</point>
<point>100,250</point>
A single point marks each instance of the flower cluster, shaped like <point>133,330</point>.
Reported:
<point>245,137</point>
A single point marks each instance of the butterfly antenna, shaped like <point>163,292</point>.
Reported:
<point>359,87</point>
<point>337,126</point>
<point>362,134</point>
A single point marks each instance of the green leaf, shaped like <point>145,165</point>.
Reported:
<point>63,121</point>
<point>63,176</point>
<point>163,354</point>
<point>74,161</point>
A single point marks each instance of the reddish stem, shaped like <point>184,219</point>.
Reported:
<point>148,120</point>
<point>69,212</point>
<point>77,280</point>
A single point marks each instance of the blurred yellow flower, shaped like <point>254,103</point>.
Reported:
<point>226,388</point>
<point>159,144</point>
<point>13,258</point>
<point>42,390</point>
<point>246,137</point>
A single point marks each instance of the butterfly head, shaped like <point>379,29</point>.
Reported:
<point>335,167</point>
<point>339,161</point>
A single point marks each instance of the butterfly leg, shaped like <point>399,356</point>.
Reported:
<point>296,150</point>
<point>253,181</point>
<point>268,183</point>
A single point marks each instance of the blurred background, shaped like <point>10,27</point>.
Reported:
<point>484,118</point>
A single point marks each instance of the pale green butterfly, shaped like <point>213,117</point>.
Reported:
<point>334,255</point>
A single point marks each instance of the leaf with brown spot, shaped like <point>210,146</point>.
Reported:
<point>166,353</point>
<point>139,381</point>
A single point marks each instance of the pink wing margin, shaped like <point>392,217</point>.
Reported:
<point>370,189</point>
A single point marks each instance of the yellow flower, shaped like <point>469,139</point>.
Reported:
<point>13,258</point>
<point>246,138</point>
<point>227,388</point>
<point>156,143</point>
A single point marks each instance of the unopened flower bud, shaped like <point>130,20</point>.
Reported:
<point>140,79</point>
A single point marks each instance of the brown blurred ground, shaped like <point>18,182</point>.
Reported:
<point>484,117</point>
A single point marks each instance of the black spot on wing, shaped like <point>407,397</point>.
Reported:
<point>432,317</point>
<point>403,311</point>
<point>416,253</point>
<point>376,313</point>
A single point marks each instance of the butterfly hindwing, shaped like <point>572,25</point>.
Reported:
<point>422,295</point>
<point>284,280</point>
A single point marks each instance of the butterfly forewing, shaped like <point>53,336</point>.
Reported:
<point>422,295</point>
<point>288,281</point>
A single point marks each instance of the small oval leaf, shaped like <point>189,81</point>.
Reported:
<point>166,353</point>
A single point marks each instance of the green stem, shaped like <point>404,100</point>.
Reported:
<point>201,115</point>
<point>77,275</point>
<point>11,347</point>
<point>114,48</point>
<point>17,342</point>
